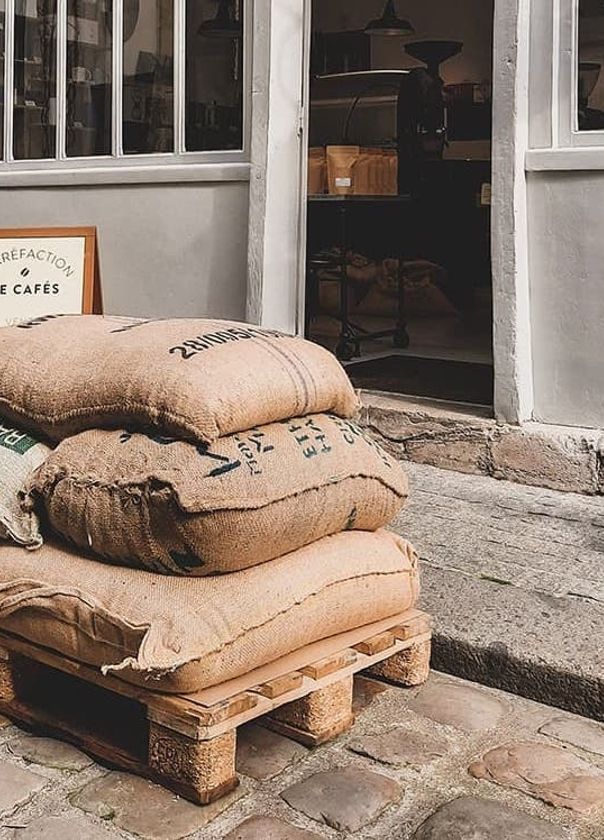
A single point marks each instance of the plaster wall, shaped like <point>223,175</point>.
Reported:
<point>165,250</point>
<point>566,217</point>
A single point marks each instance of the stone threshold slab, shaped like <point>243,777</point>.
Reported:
<point>467,439</point>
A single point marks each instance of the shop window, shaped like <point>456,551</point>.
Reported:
<point>35,80</point>
<point>89,75</point>
<point>98,79</point>
<point>590,56</point>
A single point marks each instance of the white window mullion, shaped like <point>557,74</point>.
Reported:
<point>117,87</point>
<point>180,60</point>
<point>9,77</point>
<point>61,85</point>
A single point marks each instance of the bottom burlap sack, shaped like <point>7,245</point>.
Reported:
<point>181,635</point>
<point>20,454</point>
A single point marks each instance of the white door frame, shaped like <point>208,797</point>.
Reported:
<point>277,234</point>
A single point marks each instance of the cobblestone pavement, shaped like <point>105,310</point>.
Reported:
<point>449,761</point>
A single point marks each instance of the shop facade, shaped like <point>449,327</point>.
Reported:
<point>210,222</point>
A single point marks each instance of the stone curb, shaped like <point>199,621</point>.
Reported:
<point>481,635</point>
<point>453,438</point>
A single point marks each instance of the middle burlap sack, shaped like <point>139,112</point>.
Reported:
<point>192,378</point>
<point>179,508</point>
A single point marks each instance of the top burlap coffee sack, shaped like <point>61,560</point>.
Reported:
<point>192,378</point>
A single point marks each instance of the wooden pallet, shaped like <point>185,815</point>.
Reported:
<point>187,742</point>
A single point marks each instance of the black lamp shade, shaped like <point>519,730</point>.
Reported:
<point>389,23</point>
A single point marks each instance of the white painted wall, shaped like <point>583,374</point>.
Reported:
<point>565,229</point>
<point>566,221</point>
<point>169,250</point>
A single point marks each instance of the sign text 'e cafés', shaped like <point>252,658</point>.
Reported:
<point>47,271</point>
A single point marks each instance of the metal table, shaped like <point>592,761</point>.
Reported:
<point>352,335</point>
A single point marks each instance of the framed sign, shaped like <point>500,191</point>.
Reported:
<point>48,271</point>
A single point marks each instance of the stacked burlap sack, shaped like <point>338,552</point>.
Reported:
<point>207,502</point>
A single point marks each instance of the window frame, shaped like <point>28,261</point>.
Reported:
<point>566,57</point>
<point>231,164</point>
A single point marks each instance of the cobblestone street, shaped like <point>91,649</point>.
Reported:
<point>449,761</point>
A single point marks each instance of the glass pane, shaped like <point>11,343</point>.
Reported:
<point>148,76</point>
<point>2,30</point>
<point>88,77</point>
<point>590,99</point>
<point>214,74</point>
<point>35,103</point>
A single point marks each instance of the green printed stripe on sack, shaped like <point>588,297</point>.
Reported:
<point>16,441</point>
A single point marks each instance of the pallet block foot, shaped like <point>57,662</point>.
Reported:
<point>408,668</point>
<point>317,718</point>
<point>7,676</point>
<point>201,771</point>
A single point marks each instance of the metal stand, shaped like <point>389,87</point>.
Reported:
<point>352,335</point>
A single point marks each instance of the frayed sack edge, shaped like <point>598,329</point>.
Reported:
<point>22,594</point>
<point>30,538</point>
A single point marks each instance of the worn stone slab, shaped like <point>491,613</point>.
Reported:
<point>577,732</point>
<point>49,752</point>
<point>465,707</point>
<point>146,809</point>
<point>17,786</point>
<point>263,754</point>
<point>469,440</point>
<point>401,747</point>
<point>62,828</point>
<point>269,828</point>
<point>346,799</point>
<point>510,638</point>
<point>365,691</point>
<point>540,540</point>
<point>546,772</point>
<point>471,818</point>
<point>504,569</point>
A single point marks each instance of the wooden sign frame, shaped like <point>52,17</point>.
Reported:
<point>91,288</point>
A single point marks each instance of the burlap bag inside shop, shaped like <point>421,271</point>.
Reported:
<point>190,634</point>
<point>181,508</point>
<point>20,454</point>
<point>195,379</point>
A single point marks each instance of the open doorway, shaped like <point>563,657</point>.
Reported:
<point>398,279</point>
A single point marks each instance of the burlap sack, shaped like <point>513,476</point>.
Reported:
<point>195,379</point>
<point>189,634</point>
<point>177,508</point>
<point>20,454</point>
<point>317,171</point>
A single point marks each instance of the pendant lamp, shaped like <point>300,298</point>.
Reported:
<point>389,23</point>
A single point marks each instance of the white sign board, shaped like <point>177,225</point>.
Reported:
<point>44,275</point>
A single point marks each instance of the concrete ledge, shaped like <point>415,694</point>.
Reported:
<point>468,440</point>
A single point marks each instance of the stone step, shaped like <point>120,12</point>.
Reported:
<point>468,439</point>
<point>514,577</point>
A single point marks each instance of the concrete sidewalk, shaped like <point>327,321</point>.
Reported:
<point>448,761</point>
<point>514,577</point>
